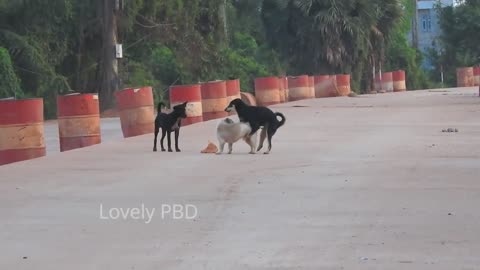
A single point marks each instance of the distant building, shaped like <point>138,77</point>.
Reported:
<point>428,27</point>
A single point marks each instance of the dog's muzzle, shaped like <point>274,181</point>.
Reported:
<point>229,109</point>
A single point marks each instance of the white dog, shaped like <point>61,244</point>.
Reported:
<point>230,132</point>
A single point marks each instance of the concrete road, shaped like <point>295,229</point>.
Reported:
<point>352,183</point>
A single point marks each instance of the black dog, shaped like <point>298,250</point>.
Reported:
<point>257,117</point>
<point>169,122</point>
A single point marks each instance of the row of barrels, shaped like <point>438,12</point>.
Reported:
<point>388,82</point>
<point>468,76</point>
<point>22,121</point>
<point>22,130</point>
<point>275,90</point>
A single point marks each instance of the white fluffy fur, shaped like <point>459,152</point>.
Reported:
<point>229,131</point>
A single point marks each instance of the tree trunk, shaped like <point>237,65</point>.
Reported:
<point>415,26</point>
<point>223,16</point>
<point>109,65</point>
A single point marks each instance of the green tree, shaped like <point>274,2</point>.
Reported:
<point>9,82</point>
<point>331,36</point>
<point>460,40</point>
<point>400,55</point>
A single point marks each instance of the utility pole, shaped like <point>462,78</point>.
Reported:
<point>415,25</point>
<point>109,65</point>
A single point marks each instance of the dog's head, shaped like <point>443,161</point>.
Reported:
<point>235,105</point>
<point>181,110</point>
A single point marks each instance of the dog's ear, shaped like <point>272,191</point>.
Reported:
<point>185,103</point>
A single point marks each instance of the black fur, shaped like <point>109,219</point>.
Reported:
<point>258,117</point>
<point>169,123</point>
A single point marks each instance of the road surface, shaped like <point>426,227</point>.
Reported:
<point>369,182</point>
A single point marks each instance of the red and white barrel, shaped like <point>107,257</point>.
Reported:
<point>311,82</point>
<point>21,130</point>
<point>233,91</point>
<point>476,74</point>
<point>267,91</point>
<point>387,82</point>
<point>325,86</point>
<point>378,84</point>
<point>465,77</point>
<point>188,93</point>
<point>299,88</point>
<point>137,114</point>
<point>248,98</point>
<point>285,89</point>
<point>281,89</point>
<point>78,121</point>
<point>343,85</point>
<point>399,83</point>
<point>214,100</point>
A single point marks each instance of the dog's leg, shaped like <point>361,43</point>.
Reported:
<point>249,141</point>
<point>255,128</point>
<point>263,135</point>
<point>177,134</point>
<point>221,145</point>
<point>164,132</point>
<point>169,140</point>
<point>271,132</point>
<point>157,129</point>
<point>230,148</point>
<point>253,143</point>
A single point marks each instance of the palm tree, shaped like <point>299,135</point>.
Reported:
<point>337,35</point>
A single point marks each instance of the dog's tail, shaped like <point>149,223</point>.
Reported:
<point>282,122</point>
<point>159,107</point>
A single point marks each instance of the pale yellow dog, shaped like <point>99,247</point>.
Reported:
<point>229,131</point>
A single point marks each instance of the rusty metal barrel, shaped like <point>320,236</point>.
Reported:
<point>191,94</point>
<point>378,83</point>
<point>214,100</point>
<point>137,113</point>
<point>233,91</point>
<point>21,130</point>
<point>476,75</point>
<point>248,98</point>
<point>387,82</point>
<point>284,80</point>
<point>78,121</point>
<point>281,89</point>
<point>343,84</point>
<point>465,77</point>
<point>267,91</point>
<point>399,83</point>
<point>299,88</point>
<point>325,86</point>
<point>311,83</point>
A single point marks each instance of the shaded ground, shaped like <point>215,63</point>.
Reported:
<point>352,183</point>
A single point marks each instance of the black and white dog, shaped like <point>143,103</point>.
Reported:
<point>169,123</point>
<point>258,117</point>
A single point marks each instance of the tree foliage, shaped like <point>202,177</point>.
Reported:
<point>400,55</point>
<point>332,36</point>
<point>460,39</point>
<point>9,82</point>
<point>55,46</point>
